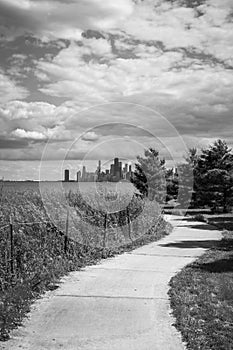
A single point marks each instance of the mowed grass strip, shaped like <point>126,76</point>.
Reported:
<point>201,297</point>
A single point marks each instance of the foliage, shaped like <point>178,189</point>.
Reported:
<point>149,176</point>
<point>214,177</point>
<point>206,179</point>
<point>203,180</point>
<point>199,217</point>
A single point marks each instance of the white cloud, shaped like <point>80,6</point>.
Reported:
<point>176,26</point>
<point>72,77</point>
<point>35,135</point>
<point>27,110</point>
<point>9,90</point>
<point>100,47</point>
<point>90,136</point>
<point>36,120</point>
<point>167,24</point>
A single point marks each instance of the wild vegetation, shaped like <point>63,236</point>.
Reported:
<point>41,240</point>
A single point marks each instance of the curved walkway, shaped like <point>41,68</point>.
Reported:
<point>119,304</point>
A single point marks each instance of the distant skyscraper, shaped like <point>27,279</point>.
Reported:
<point>120,170</point>
<point>117,172</point>
<point>98,171</point>
<point>67,175</point>
<point>84,174</point>
<point>78,175</point>
<point>116,165</point>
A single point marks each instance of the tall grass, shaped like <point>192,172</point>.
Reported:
<point>40,257</point>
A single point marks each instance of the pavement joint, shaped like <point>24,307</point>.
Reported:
<point>166,256</point>
<point>109,297</point>
<point>132,270</point>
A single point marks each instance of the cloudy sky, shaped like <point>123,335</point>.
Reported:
<point>94,79</point>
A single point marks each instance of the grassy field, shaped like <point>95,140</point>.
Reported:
<point>39,252</point>
<point>201,294</point>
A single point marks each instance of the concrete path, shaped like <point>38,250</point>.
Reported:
<point>120,304</point>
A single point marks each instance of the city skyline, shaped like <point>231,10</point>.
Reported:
<point>117,171</point>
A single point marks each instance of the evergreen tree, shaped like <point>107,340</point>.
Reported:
<point>214,176</point>
<point>149,176</point>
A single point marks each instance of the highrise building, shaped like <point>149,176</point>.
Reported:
<point>116,166</point>
<point>120,170</point>
<point>78,175</point>
<point>98,171</point>
<point>84,174</point>
<point>117,172</point>
<point>67,175</point>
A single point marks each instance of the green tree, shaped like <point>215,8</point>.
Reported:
<point>149,176</point>
<point>214,176</point>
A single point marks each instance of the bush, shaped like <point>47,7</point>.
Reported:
<point>200,217</point>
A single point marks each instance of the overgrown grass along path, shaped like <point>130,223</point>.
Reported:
<point>48,264</point>
<point>201,294</point>
<point>37,246</point>
<point>121,303</point>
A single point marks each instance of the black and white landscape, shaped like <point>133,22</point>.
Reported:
<point>116,174</point>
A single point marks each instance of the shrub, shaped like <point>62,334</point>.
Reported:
<point>200,217</point>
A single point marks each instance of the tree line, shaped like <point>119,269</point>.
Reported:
<point>203,180</point>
